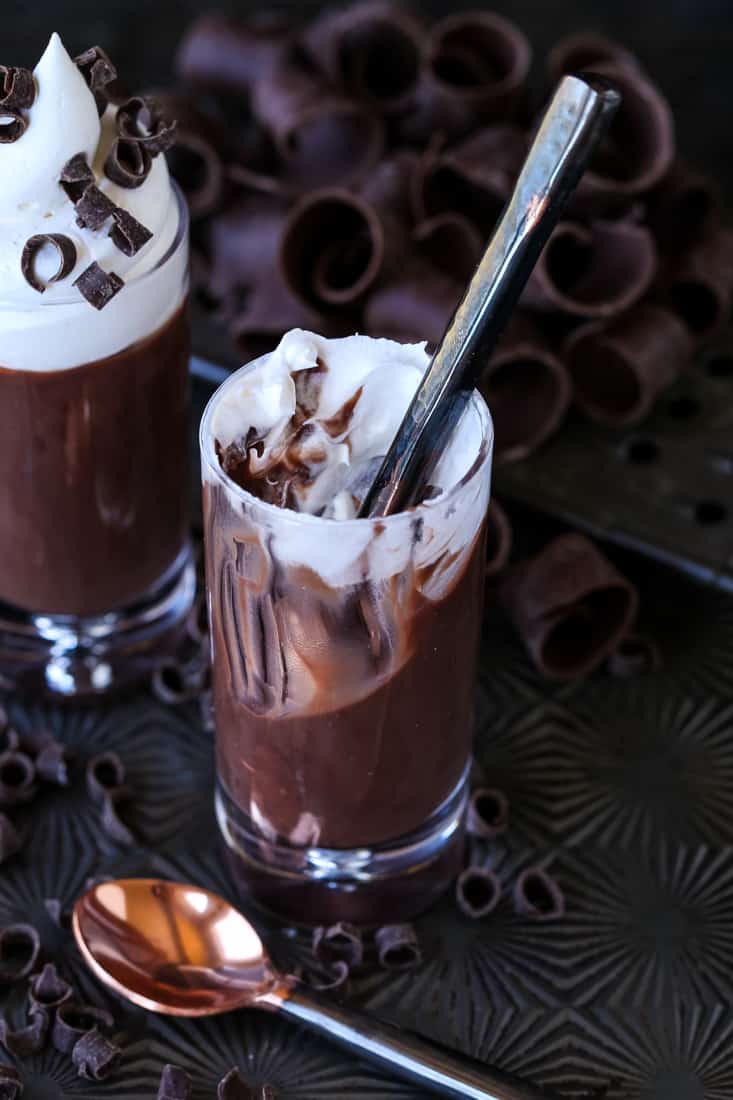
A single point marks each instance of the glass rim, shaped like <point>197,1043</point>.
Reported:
<point>288,515</point>
<point>181,235</point>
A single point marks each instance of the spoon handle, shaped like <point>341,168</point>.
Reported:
<point>574,122</point>
<point>403,1054</point>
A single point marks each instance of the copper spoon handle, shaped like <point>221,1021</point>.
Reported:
<point>572,125</point>
<point>403,1054</point>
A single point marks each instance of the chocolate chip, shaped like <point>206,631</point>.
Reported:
<point>17,778</point>
<point>127,233</point>
<point>51,764</point>
<point>113,824</point>
<point>488,812</point>
<point>11,840</point>
<point>12,125</point>
<point>18,88</point>
<point>477,892</point>
<point>98,71</point>
<point>141,120</point>
<point>95,1056</point>
<point>397,947</point>
<point>128,163</point>
<point>93,208</point>
<point>175,1084</point>
<point>340,943</point>
<point>48,989</point>
<point>20,946</point>
<point>73,1021</point>
<point>76,175</point>
<point>28,1039</point>
<point>11,1083</point>
<point>98,286</point>
<point>65,250</point>
<point>536,895</point>
<point>105,775</point>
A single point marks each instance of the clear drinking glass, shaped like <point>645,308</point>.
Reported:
<point>344,663</point>
<point>96,570</point>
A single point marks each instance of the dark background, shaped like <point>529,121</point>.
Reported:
<point>686,46</point>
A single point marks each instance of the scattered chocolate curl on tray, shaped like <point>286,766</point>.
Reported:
<point>17,778</point>
<point>234,1087</point>
<point>527,388</point>
<point>698,286</point>
<point>569,605</point>
<point>95,1056</point>
<point>105,775</point>
<point>329,977</point>
<point>634,655</point>
<point>537,895</point>
<point>174,683</point>
<point>11,1083</point>
<point>499,538</point>
<point>48,990</point>
<point>73,1021</point>
<point>340,942</point>
<point>397,947</point>
<point>20,948</point>
<point>488,813</point>
<point>686,206</point>
<point>29,1038</point>
<point>175,1084</point>
<point>226,55</point>
<point>478,891</point>
<point>619,367</point>
<point>17,89</point>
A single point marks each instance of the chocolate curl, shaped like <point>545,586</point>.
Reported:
<point>452,243</point>
<point>48,990</point>
<point>527,389</point>
<point>536,895</point>
<point>332,248</point>
<point>20,948</point>
<point>17,778</point>
<point>684,208</point>
<point>321,139</point>
<point>175,1084</point>
<point>341,942</point>
<point>26,1040</point>
<point>373,49</point>
<point>488,813</point>
<point>397,947</point>
<point>95,1057</point>
<point>619,367</point>
<point>698,287</point>
<point>491,158</point>
<point>583,52</point>
<point>74,1021</point>
<point>593,271</point>
<point>499,539</point>
<point>634,655</point>
<point>13,125</point>
<point>414,305</point>
<point>271,309</point>
<point>17,88</point>
<point>482,58</point>
<point>244,242</point>
<point>196,158</point>
<point>388,187</point>
<point>174,682</point>
<point>328,977</point>
<point>105,775</point>
<point>226,55</point>
<point>478,892</point>
<point>569,605</point>
<point>442,184</point>
<point>11,1083</point>
<point>639,147</point>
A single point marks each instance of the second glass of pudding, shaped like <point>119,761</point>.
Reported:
<point>344,650</point>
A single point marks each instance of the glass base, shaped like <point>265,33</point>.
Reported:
<point>389,882</point>
<point>71,656</point>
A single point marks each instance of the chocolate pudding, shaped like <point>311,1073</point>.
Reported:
<point>94,500</point>
<point>344,649</point>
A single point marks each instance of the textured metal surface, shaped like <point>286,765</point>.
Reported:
<point>623,787</point>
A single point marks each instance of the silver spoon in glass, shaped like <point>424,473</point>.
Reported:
<point>183,951</point>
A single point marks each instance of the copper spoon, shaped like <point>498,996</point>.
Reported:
<point>183,951</point>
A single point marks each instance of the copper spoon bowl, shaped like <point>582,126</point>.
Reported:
<point>183,951</point>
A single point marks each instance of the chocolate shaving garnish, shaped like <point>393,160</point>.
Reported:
<point>51,764</point>
<point>339,943</point>
<point>105,775</point>
<point>175,1084</point>
<point>537,895</point>
<point>12,125</point>
<point>11,1083</point>
<point>48,989</point>
<point>28,1039</point>
<point>128,163</point>
<point>499,539</point>
<point>478,891</point>
<point>73,1021</point>
<point>98,71</point>
<point>127,233</point>
<point>20,946</point>
<point>488,812</point>
<point>93,208</point>
<point>140,120</point>
<point>65,249</point>
<point>634,655</point>
<point>95,1057</point>
<point>76,175</point>
<point>17,778</point>
<point>11,840</point>
<point>397,947</point>
<point>18,89</point>
<point>98,286</point>
<point>113,824</point>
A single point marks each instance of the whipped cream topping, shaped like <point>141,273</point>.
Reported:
<point>60,329</point>
<point>320,415</point>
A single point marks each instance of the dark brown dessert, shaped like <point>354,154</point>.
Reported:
<point>93,505</point>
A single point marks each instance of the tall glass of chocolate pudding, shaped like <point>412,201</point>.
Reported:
<point>96,573</point>
<point>344,649</point>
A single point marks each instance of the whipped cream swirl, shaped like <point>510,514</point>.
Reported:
<point>60,329</point>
